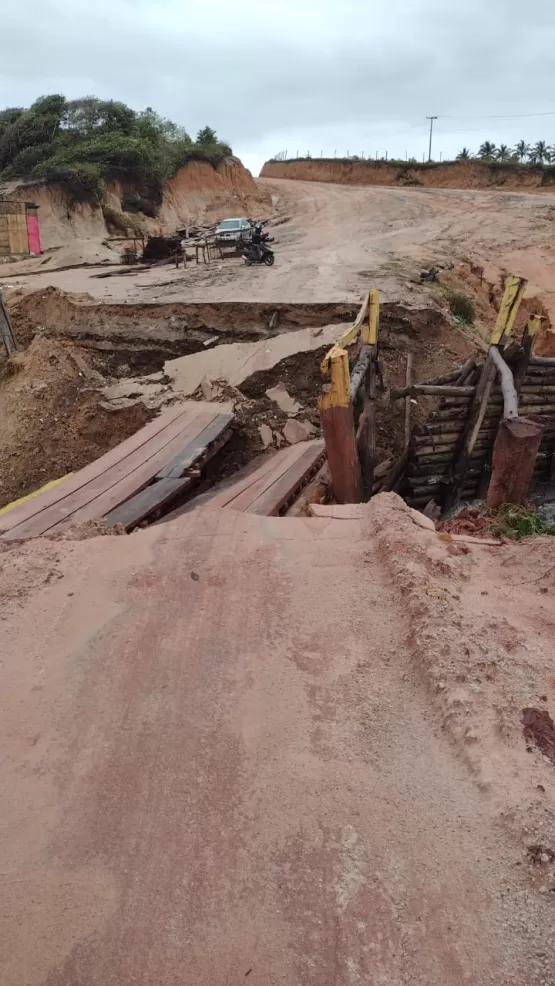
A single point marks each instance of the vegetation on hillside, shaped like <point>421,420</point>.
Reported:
<point>82,143</point>
<point>539,155</point>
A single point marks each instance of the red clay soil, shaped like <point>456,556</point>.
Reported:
<point>469,520</point>
<point>220,762</point>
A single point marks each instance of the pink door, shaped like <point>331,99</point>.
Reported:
<point>33,234</point>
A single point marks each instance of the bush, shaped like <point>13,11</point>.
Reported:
<point>406,179</point>
<point>462,306</point>
<point>132,201</point>
<point>518,522</point>
<point>81,182</point>
<point>81,143</point>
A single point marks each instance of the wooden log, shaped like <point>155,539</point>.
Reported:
<point>510,396</point>
<point>448,378</point>
<point>366,434</point>
<point>514,456</point>
<point>408,399</point>
<point>467,371</point>
<point>396,473</point>
<point>6,330</point>
<point>449,414</point>
<point>419,389</point>
<point>471,431</point>
<point>360,370</point>
<point>544,389</point>
<point>542,360</point>
<point>338,429</point>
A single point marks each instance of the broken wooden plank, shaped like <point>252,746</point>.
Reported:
<point>197,449</point>
<point>28,519</point>
<point>287,486</point>
<point>153,498</point>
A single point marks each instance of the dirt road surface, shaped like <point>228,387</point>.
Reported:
<point>221,763</point>
<point>339,237</point>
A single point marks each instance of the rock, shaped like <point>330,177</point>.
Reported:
<point>422,521</point>
<point>211,389</point>
<point>298,431</point>
<point>284,401</point>
<point>266,435</point>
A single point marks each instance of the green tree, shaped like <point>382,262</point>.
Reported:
<point>464,155</point>
<point>503,153</point>
<point>539,152</point>
<point>487,151</point>
<point>207,136</point>
<point>522,150</point>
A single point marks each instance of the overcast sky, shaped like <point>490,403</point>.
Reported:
<point>356,76</point>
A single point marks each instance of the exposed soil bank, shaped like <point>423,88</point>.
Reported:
<point>161,330</point>
<point>197,192</point>
<point>472,174</point>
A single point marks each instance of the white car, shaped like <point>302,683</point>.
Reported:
<point>232,230</point>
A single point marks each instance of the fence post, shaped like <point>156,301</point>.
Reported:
<point>336,414</point>
<point>6,331</point>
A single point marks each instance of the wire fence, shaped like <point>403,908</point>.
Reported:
<point>363,156</point>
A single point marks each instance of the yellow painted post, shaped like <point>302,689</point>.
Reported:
<point>370,331</point>
<point>514,291</point>
<point>336,414</point>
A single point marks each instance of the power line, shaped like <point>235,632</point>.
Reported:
<point>499,116</point>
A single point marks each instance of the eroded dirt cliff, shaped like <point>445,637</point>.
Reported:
<point>472,174</point>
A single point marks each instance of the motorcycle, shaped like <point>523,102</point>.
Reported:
<point>251,256</point>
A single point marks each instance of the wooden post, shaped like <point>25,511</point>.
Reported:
<point>408,399</point>
<point>514,291</point>
<point>528,339</point>
<point>6,331</point>
<point>366,434</point>
<point>336,413</point>
<point>514,457</point>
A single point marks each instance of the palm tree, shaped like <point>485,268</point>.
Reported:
<point>487,151</point>
<point>522,150</point>
<point>503,153</point>
<point>464,155</point>
<point>540,151</point>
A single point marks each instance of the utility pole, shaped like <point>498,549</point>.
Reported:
<point>431,119</point>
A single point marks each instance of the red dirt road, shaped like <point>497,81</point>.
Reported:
<point>219,765</point>
<point>340,238</point>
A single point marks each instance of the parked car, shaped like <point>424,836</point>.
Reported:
<point>233,230</point>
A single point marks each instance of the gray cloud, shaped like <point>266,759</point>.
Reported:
<point>306,72</point>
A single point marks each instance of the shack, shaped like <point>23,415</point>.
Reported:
<point>19,228</point>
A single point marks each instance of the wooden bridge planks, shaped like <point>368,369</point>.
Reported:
<point>268,488</point>
<point>105,484</point>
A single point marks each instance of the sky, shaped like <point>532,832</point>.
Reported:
<point>317,76</point>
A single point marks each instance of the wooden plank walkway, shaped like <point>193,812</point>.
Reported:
<point>182,437</point>
<point>269,488</point>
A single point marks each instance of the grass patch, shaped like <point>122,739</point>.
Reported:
<point>407,180</point>
<point>462,306</point>
<point>518,523</point>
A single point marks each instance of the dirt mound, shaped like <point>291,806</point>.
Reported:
<point>472,174</point>
<point>52,419</point>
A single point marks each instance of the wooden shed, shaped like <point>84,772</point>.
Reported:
<point>19,235</point>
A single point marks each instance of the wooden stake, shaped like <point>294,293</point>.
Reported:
<point>6,331</point>
<point>408,399</point>
<point>336,414</point>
